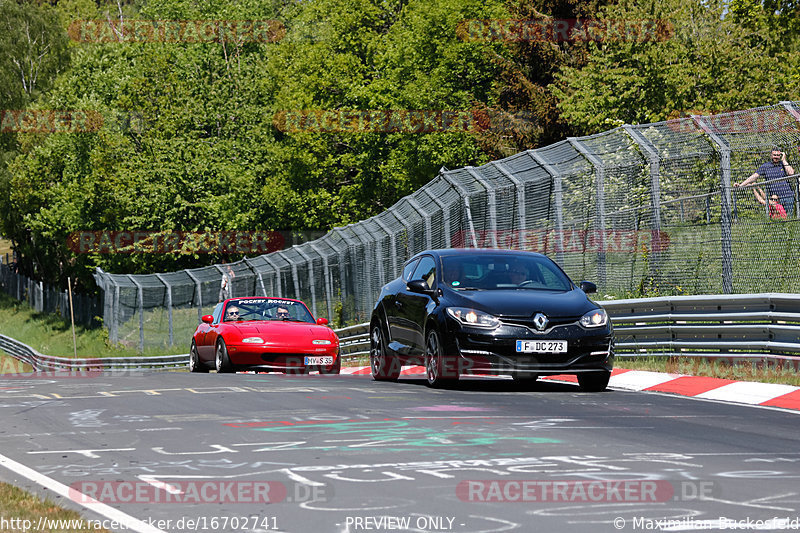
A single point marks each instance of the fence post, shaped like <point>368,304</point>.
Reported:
<point>169,307</point>
<point>465,196</point>
<point>279,292</point>
<point>655,195</point>
<point>796,114</point>
<point>310,279</point>
<point>326,270</point>
<point>445,217</point>
<point>599,174</point>
<point>199,289</point>
<point>725,202</point>
<point>426,218</point>
<point>392,246</point>
<point>520,192</point>
<point>558,200</point>
<point>295,278</point>
<point>140,297</point>
<point>257,273</point>
<point>492,204</point>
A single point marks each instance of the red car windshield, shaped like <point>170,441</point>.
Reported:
<point>266,309</point>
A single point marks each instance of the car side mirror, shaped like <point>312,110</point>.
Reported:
<point>420,286</point>
<point>208,319</point>
<point>322,321</point>
<point>588,287</point>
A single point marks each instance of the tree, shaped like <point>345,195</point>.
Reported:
<point>699,66</point>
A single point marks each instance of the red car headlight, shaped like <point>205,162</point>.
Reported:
<point>253,340</point>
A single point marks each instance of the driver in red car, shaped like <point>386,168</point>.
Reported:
<point>282,313</point>
<point>232,314</point>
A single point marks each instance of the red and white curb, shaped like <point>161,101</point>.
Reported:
<point>726,390</point>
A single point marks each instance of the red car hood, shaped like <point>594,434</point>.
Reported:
<point>285,331</point>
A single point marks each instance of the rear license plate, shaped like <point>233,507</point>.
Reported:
<point>319,360</point>
<point>548,346</point>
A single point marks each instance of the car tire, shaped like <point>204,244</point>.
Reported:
<point>436,371</point>
<point>594,381</point>
<point>223,362</point>
<point>383,367</point>
<point>194,360</point>
<point>336,368</point>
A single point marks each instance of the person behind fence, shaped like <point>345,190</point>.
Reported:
<point>776,167</point>
<point>225,284</point>
<point>776,210</point>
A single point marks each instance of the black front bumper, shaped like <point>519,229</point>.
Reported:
<point>494,351</point>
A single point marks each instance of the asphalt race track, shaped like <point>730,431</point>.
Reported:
<point>174,451</point>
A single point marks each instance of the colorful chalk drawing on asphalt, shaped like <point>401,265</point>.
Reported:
<point>396,435</point>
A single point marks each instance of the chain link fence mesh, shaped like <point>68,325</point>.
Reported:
<point>641,210</point>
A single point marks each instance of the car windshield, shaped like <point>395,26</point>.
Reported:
<point>266,309</point>
<point>503,272</point>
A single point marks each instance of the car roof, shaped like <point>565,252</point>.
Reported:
<point>443,252</point>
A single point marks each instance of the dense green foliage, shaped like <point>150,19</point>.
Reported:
<point>191,138</point>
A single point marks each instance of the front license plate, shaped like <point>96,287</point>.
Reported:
<point>542,346</point>
<point>319,360</point>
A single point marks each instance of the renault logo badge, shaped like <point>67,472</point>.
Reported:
<point>540,321</point>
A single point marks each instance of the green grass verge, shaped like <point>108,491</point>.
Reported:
<point>709,368</point>
<point>22,511</point>
<point>52,335</point>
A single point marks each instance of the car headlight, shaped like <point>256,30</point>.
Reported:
<point>320,341</point>
<point>471,317</point>
<point>253,340</point>
<point>594,319</point>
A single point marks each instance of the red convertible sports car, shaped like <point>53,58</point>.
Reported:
<point>268,334</point>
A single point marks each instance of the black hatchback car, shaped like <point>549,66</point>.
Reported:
<point>459,311</point>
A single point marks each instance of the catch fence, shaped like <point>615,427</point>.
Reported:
<point>641,210</point>
<point>45,298</point>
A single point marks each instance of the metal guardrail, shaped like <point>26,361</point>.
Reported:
<point>354,343</point>
<point>756,327</point>
<point>41,362</point>
<point>738,327</point>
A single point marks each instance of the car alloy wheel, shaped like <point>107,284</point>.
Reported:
<point>383,367</point>
<point>435,361</point>
<point>223,363</point>
<point>194,360</point>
